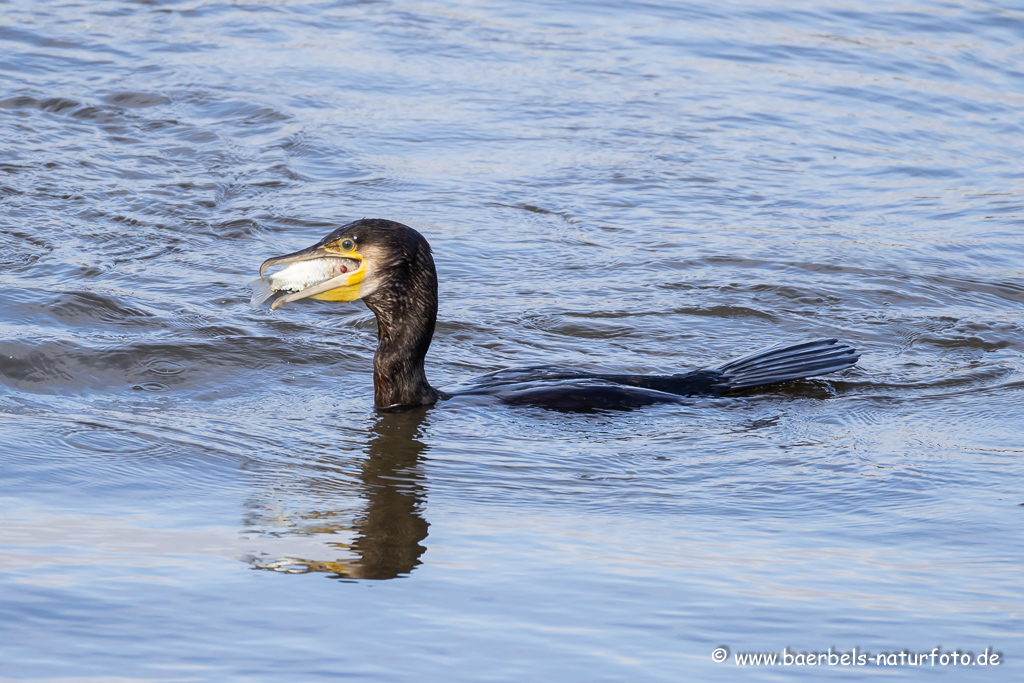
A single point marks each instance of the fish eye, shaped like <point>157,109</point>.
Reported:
<point>348,245</point>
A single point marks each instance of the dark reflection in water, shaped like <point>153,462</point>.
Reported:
<point>387,536</point>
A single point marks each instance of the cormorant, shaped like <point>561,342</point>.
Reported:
<point>389,266</point>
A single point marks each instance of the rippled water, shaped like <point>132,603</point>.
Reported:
<point>194,490</point>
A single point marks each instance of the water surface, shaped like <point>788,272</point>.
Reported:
<point>194,490</point>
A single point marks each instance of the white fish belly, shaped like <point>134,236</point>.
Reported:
<point>299,276</point>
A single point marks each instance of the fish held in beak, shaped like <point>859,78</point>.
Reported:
<point>310,272</point>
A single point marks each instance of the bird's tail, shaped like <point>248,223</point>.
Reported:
<point>783,363</point>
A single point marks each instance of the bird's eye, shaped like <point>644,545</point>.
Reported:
<point>347,245</point>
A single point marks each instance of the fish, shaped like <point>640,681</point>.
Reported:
<point>296,277</point>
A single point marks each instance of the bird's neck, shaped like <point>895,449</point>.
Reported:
<point>406,314</point>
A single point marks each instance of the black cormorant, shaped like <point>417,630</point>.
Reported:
<point>389,266</point>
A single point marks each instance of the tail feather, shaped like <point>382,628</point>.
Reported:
<point>776,363</point>
<point>784,363</point>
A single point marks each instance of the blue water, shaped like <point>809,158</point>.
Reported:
<point>192,490</point>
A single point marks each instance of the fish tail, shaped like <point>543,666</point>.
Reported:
<point>261,291</point>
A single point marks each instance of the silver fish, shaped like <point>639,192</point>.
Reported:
<point>296,277</point>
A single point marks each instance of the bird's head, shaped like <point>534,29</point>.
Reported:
<point>371,251</point>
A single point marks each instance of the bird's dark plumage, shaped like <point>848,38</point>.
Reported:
<point>397,280</point>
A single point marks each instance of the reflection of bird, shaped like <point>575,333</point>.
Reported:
<point>389,266</point>
<point>389,533</point>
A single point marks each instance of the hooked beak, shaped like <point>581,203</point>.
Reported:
<point>344,287</point>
